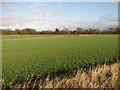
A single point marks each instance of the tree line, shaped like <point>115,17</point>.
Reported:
<point>29,31</point>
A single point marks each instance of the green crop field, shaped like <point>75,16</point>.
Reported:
<point>53,54</point>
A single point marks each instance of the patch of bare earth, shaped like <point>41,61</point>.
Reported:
<point>102,76</point>
<point>82,35</point>
<point>44,37</point>
<point>34,38</point>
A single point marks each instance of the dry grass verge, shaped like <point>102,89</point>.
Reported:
<point>102,76</point>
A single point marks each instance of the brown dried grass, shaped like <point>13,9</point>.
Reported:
<point>102,76</point>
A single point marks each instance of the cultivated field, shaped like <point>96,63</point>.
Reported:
<point>54,54</point>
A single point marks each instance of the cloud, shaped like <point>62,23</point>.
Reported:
<point>48,17</point>
<point>60,1</point>
<point>41,22</point>
<point>12,8</point>
<point>0,17</point>
<point>107,21</point>
<point>36,4</point>
<point>0,10</point>
<point>42,19</point>
<point>103,22</point>
<point>8,20</point>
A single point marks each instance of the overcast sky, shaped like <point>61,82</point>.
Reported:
<point>49,15</point>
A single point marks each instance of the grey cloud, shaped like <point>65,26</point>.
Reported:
<point>103,22</point>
